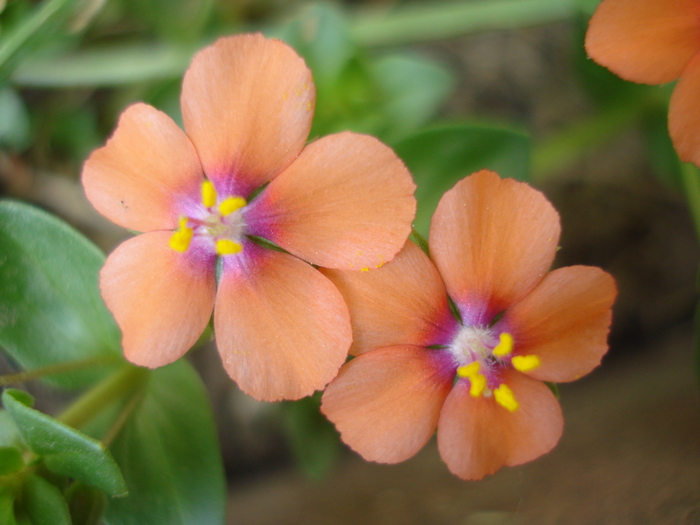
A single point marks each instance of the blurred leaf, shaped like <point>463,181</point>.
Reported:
<point>7,507</point>
<point>14,124</point>
<point>169,454</point>
<point>63,449</point>
<point>315,442</point>
<point>34,30</point>
<point>423,21</point>
<point>175,20</point>
<point>44,503</point>
<point>9,433</point>
<point>554,388</point>
<point>50,305</point>
<point>414,89</point>
<point>439,157</point>
<point>112,66</point>
<point>320,35</point>
<point>10,460</point>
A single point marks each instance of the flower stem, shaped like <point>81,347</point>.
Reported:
<point>438,20</point>
<point>59,368</point>
<point>127,379</point>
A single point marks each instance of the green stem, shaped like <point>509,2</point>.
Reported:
<point>438,20</point>
<point>124,415</point>
<point>117,386</point>
<point>50,11</point>
<point>559,151</point>
<point>690,178</point>
<point>59,368</point>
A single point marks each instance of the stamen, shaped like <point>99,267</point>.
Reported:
<point>228,247</point>
<point>504,397</point>
<point>469,370</point>
<point>478,384</point>
<point>208,194</point>
<point>182,237</point>
<point>231,204</point>
<point>504,346</point>
<point>525,363</point>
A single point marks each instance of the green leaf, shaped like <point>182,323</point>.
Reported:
<point>9,433</point>
<point>14,125</point>
<point>44,503</point>
<point>7,508</point>
<point>50,305</point>
<point>439,157</point>
<point>169,454</point>
<point>414,89</point>
<point>320,36</point>
<point>63,449</point>
<point>315,442</point>
<point>109,66</point>
<point>10,460</point>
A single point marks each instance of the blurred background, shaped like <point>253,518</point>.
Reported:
<point>453,86</point>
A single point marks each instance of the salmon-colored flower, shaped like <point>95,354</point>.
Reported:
<point>344,201</point>
<point>479,381</point>
<point>654,42</point>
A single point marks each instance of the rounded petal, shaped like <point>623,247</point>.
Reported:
<point>247,104</point>
<point>477,437</point>
<point>403,302</point>
<point>146,173</point>
<point>347,202</point>
<point>684,114</point>
<point>646,41</point>
<point>565,322</point>
<point>492,240</point>
<point>282,328</point>
<point>386,403</point>
<point>162,299</point>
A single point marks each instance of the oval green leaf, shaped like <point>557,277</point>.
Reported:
<point>50,305</point>
<point>63,449</point>
<point>439,157</point>
<point>44,503</point>
<point>169,455</point>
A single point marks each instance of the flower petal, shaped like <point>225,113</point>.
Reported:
<point>476,436</point>
<point>565,322</point>
<point>282,328</point>
<point>403,302</point>
<point>161,299</point>
<point>684,114</point>
<point>492,240</point>
<point>145,174</point>
<point>647,41</point>
<point>386,403</point>
<point>346,202</point>
<point>247,104</point>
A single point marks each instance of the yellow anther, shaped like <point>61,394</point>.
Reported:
<point>180,240</point>
<point>364,269</point>
<point>478,384</point>
<point>504,346</point>
<point>504,397</point>
<point>228,247</point>
<point>208,194</point>
<point>525,363</point>
<point>469,370</point>
<point>231,204</point>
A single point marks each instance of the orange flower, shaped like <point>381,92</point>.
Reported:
<point>654,42</point>
<point>344,201</point>
<point>478,381</point>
